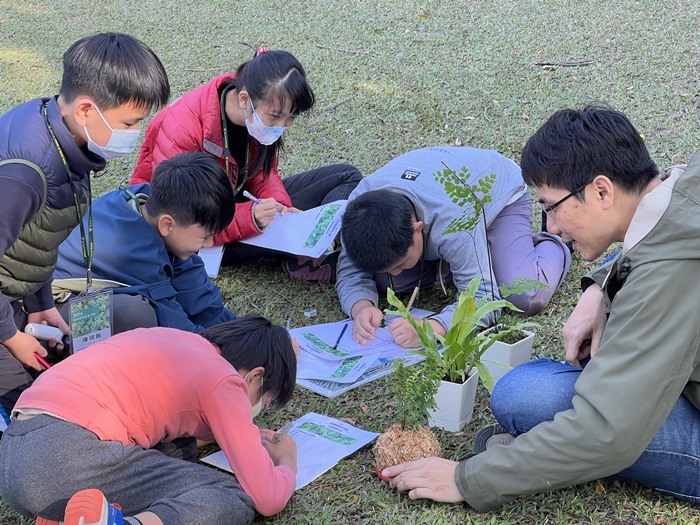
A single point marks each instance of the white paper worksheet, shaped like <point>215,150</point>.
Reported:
<point>322,442</point>
<point>307,233</point>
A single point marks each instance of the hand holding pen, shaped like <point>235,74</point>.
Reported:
<point>282,432</point>
<point>265,210</point>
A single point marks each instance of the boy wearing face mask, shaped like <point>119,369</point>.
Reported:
<point>48,148</point>
<point>145,397</point>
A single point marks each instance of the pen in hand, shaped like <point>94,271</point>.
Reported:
<point>42,361</point>
<point>413,298</point>
<point>345,327</point>
<point>251,197</point>
<point>282,432</point>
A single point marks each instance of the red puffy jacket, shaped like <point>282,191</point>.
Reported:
<point>193,123</point>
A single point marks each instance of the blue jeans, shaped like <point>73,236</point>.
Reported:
<point>534,392</point>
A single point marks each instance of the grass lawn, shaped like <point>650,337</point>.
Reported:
<point>389,77</point>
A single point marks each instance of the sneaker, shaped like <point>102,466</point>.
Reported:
<point>321,269</point>
<point>88,507</point>
<point>491,435</point>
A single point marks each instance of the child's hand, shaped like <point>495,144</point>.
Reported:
<point>23,347</point>
<point>366,319</point>
<point>284,452</point>
<point>265,211</point>
<point>50,317</point>
<point>403,333</point>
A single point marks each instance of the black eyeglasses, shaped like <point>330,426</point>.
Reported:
<point>549,209</point>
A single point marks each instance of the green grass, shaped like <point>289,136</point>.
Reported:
<point>391,76</point>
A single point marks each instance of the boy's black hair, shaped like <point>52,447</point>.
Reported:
<point>279,77</point>
<point>114,69</point>
<point>194,189</point>
<point>252,341</point>
<point>574,146</point>
<point>377,230</point>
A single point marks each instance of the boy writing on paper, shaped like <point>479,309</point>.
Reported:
<point>48,148</point>
<point>393,233</point>
<point>147,237</point>
<point>143,398</point>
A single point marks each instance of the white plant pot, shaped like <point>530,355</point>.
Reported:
<point>455,403</point>
<point>501,357</point>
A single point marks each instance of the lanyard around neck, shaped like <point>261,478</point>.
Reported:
<point>417,289</point>
<point>231,171</point>
<point>87,241</point>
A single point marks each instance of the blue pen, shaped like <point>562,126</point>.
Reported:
<point>345,327</point>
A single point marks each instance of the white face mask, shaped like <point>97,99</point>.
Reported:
<point>120,143</point>
<point>257,408</point>
<point>259,131</point>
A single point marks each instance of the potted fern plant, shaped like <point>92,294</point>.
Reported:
<point>513,339</point>
<point>413,390</point>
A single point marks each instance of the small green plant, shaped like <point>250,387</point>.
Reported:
<point>452,357</point>
<point>461,349</point>
<point>414,389</point>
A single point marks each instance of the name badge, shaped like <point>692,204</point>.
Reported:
<point>90,319</point>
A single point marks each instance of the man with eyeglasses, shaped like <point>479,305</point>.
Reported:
<point>626,400</point>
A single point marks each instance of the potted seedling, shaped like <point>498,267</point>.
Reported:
<point>513,344</point>
<point>513,339</point>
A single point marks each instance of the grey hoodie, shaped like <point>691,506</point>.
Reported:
<point>411,175</point>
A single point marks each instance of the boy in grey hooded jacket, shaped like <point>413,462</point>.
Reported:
<point>395,224</point>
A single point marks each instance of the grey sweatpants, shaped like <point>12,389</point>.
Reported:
<point>515,253</point>
<point>44,461</point>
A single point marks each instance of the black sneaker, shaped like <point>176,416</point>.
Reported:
<point>322,269</point>
<point>489,436</point>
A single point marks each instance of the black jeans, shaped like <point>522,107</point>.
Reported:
<point>307,190</point>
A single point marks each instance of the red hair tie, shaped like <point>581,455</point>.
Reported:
<point>261,50</point>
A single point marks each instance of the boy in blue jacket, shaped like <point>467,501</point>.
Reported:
<point>147,237</point>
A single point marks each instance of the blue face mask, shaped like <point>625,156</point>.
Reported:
<point>120,143</point>
<point>259,131</point>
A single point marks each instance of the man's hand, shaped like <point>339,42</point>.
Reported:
<point>584,329</point>
<point>367,319</point>
<point>430,478</point>
<point>23,347</point>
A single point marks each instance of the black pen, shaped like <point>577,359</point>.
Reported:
<point>345,327</point>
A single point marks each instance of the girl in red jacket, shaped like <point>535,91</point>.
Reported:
<point>239,118</point>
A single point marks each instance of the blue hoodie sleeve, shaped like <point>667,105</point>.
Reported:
<point>199,297</point>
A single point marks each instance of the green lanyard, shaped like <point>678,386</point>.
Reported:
<point>231,171</point>
<point>418,286</point>
<point>87,242</point>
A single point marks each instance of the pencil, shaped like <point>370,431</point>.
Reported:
<point>413,298</point>
<point>345,327</point>
<point>282,432</point>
